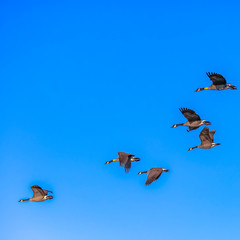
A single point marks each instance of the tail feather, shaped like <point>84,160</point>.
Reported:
<point>232,87</point>
<point>135,159</point>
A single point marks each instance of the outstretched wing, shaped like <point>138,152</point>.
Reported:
<point>124,158</point>
<point>153,175</point>
<point>189,114</point>
<point>205,136</point>
<point>212,132</point>
<point>128,165</point>
<point>47,191</point>
<point>192,128</point>
<point>37,191</point>
<point>216,78</point>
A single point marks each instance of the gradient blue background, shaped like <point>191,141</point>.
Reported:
<point>82,80</point>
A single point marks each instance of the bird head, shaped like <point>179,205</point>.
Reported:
<point>139,173</point>
<point>198,90</point>
<point>21,200</point>
<point>175,125</point>
<point>113,160</point>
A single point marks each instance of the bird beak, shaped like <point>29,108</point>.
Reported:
<point>190,149</point>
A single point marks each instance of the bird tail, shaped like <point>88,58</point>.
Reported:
<point>135,159</point>
<point>232,87</point>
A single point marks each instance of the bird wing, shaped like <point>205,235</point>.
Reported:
<point>212,132</point>
<point>124,158</point>
<point>37,191</point>
<point>216,78</point>
<point>47,191</point>
<point>189,114</point>
<point>192,128</point>
<point>205,136</point>
<point>128,165</point>
<point>153,175</point>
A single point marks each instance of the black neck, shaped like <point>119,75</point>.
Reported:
<point>23,200</point>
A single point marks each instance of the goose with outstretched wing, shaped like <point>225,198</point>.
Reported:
<point>39,195</point>
<point>125,160</point>
<point>153,174</point>
<point>218,83</point>
<point>193,120</point>
<point>207,138</point>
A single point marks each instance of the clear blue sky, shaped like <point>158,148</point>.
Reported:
<point>82,80</point>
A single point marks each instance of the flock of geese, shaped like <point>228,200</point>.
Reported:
<point>193,122</point>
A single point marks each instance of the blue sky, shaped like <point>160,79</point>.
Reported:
<point>84,80</point>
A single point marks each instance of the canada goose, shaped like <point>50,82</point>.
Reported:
<point>39,195</point>
<point>194,121</point>
<point>125,160</point>
<point>207,139</point>
<point>153,174</point>
<point>219,83</point>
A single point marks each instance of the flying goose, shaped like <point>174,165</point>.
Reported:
<point>125,160</point>
<point>153,174</point>
<point>194,121</point>
<point>219,83</point>
<point>39,195</point>
<point>207,139</point>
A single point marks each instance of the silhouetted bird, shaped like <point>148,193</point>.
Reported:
<point>39,195</point>
<point>125,160</point>
<point>219,83</point>
<point>207,139</point>
<point>194,121</point>
<point>153,174</point>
